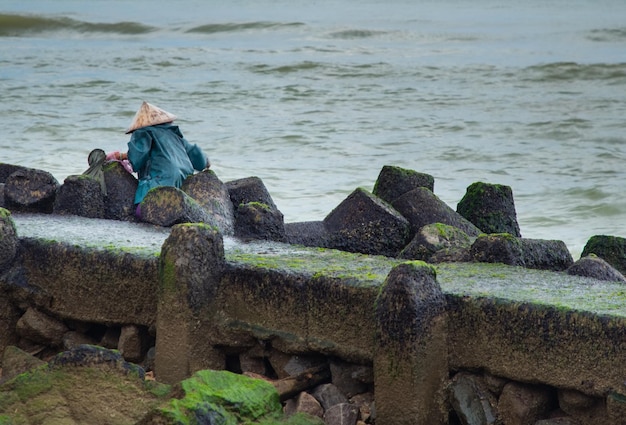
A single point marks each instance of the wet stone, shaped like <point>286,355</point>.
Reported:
<point>393,182</point>
<point>421,207</point>
<point>41,328</point>
<point>611,249</point>
<point>166,206</point>
<point>209,191</point>
<point>249,189</point>
<point>31,190</point>
<point>341,414</point>
<point>364,223</point>
<point>595,267</point>
<point>490,207</point>
<point>80,195</point>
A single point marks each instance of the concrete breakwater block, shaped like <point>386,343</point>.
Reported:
<point>364,223</point>
<point>530,253</point>
<point>490,207</point>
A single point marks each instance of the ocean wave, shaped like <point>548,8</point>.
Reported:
<point>242,26</point>
<point>12,25</point>
<point>572,71</point>
<point>355,34</point>
<point>608,34</point>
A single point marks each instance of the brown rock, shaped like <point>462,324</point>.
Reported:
<point>119,203</point>
<point>341,414</point>
<point>73,339</point>
<point>132,343</point>
<point>41,328</point>
<point>16,361</point>
<point>167,206</point>
<point>522,404</point>
<point>304,403</point>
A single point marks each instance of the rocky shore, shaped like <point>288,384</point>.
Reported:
<point>400,220</point>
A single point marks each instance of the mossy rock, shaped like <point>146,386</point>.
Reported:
<point>78,395</point>
<point>611,249</point>
<point>222,397</point>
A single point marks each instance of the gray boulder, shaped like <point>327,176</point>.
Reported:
<point>611,249</point>
<point>531,253</point>
<point>490,207</point>
<point>80,195</point>
<point>7,169</point>
<point>436,237</point>
<point>206,188</point>
<point>341,414</point>
<point>393,182</point>
<point>472,401</point>
<point>8,239</point>
<point>41,328</point>
<point>166,206</point>
<point>308,233</point>
<point>119,203</point>
<point>249,189</point>
<point>596,267</point>
<point>255,220</point>
<point>525,404</point>
<point>366,224</point>
<point>30,190</point>
<point>421,207</point>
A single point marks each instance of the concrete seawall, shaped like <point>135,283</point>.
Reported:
<point>416,325</point>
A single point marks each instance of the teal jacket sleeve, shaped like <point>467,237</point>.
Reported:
<point>139,148</point>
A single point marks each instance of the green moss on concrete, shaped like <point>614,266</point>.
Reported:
<point>543,287</point>
<point>320,262</point>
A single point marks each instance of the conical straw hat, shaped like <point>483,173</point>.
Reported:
<point>149,114</point>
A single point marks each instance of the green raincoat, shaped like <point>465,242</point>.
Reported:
<point>161,156</point>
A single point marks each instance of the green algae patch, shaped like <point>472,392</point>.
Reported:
<point>359,269</point>
<point>519,284</point>
<point>227,398</point>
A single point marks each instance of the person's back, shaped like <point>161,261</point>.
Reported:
<point>158,152</point>
<point>161,156</point>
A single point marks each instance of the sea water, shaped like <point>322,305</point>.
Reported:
<point>315,97</point>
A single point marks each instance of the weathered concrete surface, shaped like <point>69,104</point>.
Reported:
<point>190,266</point>
<point>410,358</point>
<point>538,343</point>
<point>88,284</point>
<point>560,330</point>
